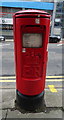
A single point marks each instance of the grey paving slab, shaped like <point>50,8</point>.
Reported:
<point>3,114</point>
<point>8,98</point>
<point>51,114</point>
<point>63,115</point>
<point>63,98</point>
<point>0,114</point>
<point>53,99</point>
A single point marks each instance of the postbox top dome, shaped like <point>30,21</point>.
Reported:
<point>32,12</point>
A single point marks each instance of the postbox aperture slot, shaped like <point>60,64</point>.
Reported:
<point>37,26</point>
<point>32,40</point>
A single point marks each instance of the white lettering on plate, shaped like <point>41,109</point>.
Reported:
<point>37,20</point>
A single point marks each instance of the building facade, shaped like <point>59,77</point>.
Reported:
<point>7,9</point>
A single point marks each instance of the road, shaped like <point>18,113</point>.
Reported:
<point>55,66</point>
<point>53,88</point>
<point>55,59</point>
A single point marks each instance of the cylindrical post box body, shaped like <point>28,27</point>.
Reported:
<point>31,33</point>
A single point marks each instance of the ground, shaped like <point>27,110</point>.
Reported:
<point>53,88</point>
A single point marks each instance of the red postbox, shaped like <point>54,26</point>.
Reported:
<point>31,34</point>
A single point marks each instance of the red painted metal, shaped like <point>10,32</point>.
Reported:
<point>31,62</point>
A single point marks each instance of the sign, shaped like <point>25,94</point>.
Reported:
<point>6,21</point>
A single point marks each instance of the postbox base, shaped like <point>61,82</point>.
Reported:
<point>29,102</point>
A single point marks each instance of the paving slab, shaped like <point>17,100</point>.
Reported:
<point>8,98</point>
<point>53,103</point>
<point>51,99</point>
<point>63,98</point>
<point>0,114</point>
<point>3,114</point>
<point>51,114</point>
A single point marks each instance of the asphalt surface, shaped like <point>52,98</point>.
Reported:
<point>54,67</point>
<point>55,59</point>
<point>53,88</point>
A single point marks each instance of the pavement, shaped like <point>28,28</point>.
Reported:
<point>53,110</point>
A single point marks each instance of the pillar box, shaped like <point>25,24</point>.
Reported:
<point>31,34</point>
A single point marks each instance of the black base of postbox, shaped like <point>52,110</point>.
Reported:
<point>29,102</point>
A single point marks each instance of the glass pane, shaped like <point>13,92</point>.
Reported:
<point>32,40</point>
